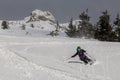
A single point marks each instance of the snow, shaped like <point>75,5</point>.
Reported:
<point>32,54</point>
<point>42,20</point>
<point>37,14</point>
<point>47,14</point>
<point>75,22</point>
<point>44,58</point>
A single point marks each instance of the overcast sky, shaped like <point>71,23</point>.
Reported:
<point>63,10</point>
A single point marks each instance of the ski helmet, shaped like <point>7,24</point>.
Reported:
<point>78,48</point>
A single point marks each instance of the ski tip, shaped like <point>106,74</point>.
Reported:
<point>95,63</point>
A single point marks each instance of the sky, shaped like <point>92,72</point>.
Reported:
<point>62,10</point>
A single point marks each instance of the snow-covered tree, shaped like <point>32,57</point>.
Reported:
<point>85,28</point>
<point>71,30</point>
<point>56,31</point>
<point>23,27</point>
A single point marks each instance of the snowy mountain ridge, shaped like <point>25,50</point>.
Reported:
<point>75,22</point>
<point>37,18</point>
<point>40,21</point>
<point>38,15</point>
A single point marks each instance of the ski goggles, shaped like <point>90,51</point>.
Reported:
<point>78,49</point>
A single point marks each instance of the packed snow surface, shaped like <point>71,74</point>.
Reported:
<point>32,54</point>
<point>45,58</point>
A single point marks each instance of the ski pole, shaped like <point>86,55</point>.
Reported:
<point>68,58</point>
<point>91,56</point>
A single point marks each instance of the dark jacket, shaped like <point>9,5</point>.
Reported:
<point>80,54</point>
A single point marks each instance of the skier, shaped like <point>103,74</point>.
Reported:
<point>82,55</point>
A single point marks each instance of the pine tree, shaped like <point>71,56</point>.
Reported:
<point>84,16</point>
<point>117,30</point>
<point>5,25</point>
<point>85,28</point>
<point>56,31</point>
<point>57,26</point>
<point>104,29</point>
<point>32,25</point>
<point>71,30</point>
<point>23,27</point>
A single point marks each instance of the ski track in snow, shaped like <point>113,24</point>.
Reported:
<point>53,72</point>
<point>60,73</point>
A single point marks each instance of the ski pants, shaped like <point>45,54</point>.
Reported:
<point>85,59</point>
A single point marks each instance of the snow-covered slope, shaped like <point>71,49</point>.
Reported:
<point>75,22</point>
<point>29,58</point>
<point>39,23</point>
<point>31,54</point>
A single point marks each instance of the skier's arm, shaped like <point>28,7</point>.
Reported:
<point>74,55</point>
<point>85,52</point>
<point>87,55</point>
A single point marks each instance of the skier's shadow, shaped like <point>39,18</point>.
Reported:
<point>75,62</point>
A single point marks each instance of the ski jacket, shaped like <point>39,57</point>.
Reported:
<point>80,54</point>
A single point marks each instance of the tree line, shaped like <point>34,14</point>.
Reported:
<point>103,30</point>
